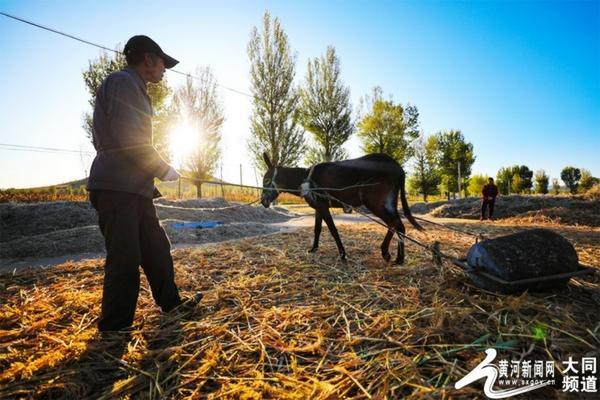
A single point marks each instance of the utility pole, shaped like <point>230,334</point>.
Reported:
<point>222,190</point>
<point>459,179</point>
<point>241,175</point>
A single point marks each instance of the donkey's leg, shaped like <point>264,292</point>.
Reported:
<point>326,215</point>
<point>391,208</point>
<point>318,223</point>
<point>385,245</point>
<point>389,215</point>
<point>401,231</point>
<point>378,208</point>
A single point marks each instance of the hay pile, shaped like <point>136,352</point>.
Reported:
<point>279,323</point>
<point>60,228</point>
<point>19,220</point>
<point>573,210</point>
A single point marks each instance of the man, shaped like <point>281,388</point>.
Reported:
<point>121,186</point>
<point>488,197</point>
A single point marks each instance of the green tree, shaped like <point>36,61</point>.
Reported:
<point>541,182</point>
<point>388,128</point>
<point>508,184</point>
<point>570,176</point>
<point>476,184</point>
<point>587,180</point>
<point>274,126</point>
<point>555,186</point>
<point>516,184</point>
<point>425,177</point>
<point>159,93</point>
<point>504,178</point>
<point>452,151</point>
<point>526,175</point>
<point>198,105</point>
<point>325,109</point>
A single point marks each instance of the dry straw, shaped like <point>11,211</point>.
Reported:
<point>277,322</point>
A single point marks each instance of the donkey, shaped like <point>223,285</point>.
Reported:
<point>372,181</point>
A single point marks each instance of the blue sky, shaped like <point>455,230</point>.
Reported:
<point>520,79</point>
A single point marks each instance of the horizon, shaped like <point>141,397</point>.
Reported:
<point>520,80</point>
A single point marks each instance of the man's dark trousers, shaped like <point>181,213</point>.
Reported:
<point>484,204</point>
<point>133,237</point>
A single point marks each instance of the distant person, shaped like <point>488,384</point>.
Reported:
<point>488,197</point>
<point>121,188</point>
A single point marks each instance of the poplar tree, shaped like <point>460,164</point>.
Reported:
<point>453,150</point>
<point>325,109</point>
<point>541,182</point>
<point>273,123</point>
<point>555,186</point>
<point>425,177</point>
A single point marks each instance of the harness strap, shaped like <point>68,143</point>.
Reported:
<point>273,178</point>
<point>308,178</point>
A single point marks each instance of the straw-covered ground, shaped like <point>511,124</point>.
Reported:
<point>279,323</point>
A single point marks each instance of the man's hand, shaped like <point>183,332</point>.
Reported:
<point>171,175</point>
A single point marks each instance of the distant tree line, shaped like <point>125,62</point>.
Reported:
<point>311,122</point>
<point>519,179</point>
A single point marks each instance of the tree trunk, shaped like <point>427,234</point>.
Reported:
<point>199,190</point>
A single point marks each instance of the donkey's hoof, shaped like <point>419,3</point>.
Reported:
<point>399,261</point>
<point>313,250</point>
<point>387,257</point>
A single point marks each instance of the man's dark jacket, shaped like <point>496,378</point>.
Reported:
<point>126,160</point>
<point>489,190</point>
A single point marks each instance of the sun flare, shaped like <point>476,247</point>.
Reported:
<point>183,141</point>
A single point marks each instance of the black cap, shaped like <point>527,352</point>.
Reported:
<point>141,44</point>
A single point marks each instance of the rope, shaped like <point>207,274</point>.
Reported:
<point>270,188</point>
<point>207,209</point>
<point>477,236</point>
<point>434,249</point>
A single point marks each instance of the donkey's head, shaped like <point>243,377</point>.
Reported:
<point>270,192</point>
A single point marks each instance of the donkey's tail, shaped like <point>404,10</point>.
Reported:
<point>406,208</point>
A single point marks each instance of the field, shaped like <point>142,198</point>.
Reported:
<point>277,322</point>
<point>75,191</point>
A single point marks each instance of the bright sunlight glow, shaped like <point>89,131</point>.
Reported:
<point>183,141</point>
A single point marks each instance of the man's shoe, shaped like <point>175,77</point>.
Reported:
<point>189,303</point>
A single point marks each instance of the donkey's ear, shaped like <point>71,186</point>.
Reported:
<point>267,160</point>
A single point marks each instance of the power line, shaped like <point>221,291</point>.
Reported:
<point>107,49</point>
<point>57,32</point>
<point>39,149</point>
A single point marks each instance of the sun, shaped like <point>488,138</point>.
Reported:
<point>183,140</point>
